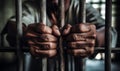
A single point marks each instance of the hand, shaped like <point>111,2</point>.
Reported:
<point>80,39</point>
<point>42,39</point>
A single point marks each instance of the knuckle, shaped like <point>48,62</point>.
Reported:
<point>44,37</point>
<point>68,26</point>
<point>93,42</point>
<point>71,45</point>
<point>41,28</point>
<point>82,52</point>
<point>48,46</point>
<point>90,42</point>
<point>74,37</point>
<point>94,36</point>
<point>51,53</point>
<point>84,28</point>
<point>30,42</point>
<point>93,26</point>
<point>71,37</point>
<point>45,46</point>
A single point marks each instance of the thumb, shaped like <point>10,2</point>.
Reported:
<point>66,29</point>
<point>55,30</point>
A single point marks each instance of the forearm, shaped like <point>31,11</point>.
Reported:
<point>100,37</point>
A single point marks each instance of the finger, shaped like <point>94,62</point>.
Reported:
<point>78,52</point>
<point>80,28</point>
<point>41,37</point>
<point>91,42</point>
<point>75,37</point>
<point>83,52</point>
<point>43,45</point>
<point>67,29</point>
<point>80,44</point>
<point>93,28</point>
<point>39,28</point>
<point>55,30</point>
<point>46,53</point>
<point>32,50</point>
<point>89,49</point>
<point>80,36</point>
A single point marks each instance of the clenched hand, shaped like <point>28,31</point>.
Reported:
<point>42,39</point>
<point>80,39</point>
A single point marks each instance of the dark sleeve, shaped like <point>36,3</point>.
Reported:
<point>93,16</point>
<point>28,14</point>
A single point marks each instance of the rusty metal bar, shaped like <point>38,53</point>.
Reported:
<point>43,20</point>
<point>43,11</point>
<point>61,24</point>
<point>79,62</point>
<point>19,34</point>
<point>108,21</point>
<point>82,12</point>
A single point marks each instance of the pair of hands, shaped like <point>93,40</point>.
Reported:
<point>43,40</point>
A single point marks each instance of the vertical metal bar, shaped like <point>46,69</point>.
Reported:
<point>108,16</point>
<point>19,34</point>
<point>69,63</point>
<point>62,23</point>
<point>82,12</point>
<point>43,11</point>
<point>62,14</point>
<point>43,20</point>
<point>1,40</point>
<point>79,62</point>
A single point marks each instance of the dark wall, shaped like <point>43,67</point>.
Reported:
<point>7,10</point>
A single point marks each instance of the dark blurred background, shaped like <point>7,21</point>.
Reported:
<point>8,59</point>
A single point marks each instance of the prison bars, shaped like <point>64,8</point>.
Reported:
<point>61,24</point>
<point>108,19</point>
<point>79,62</point>
<point>19,34</point>
<point>43,20</point>
<point>107,50</point>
